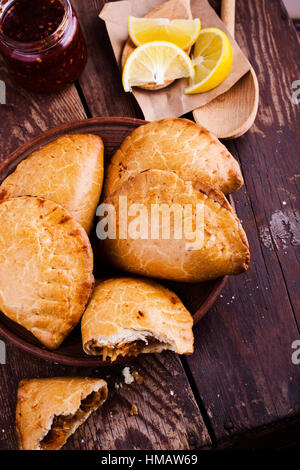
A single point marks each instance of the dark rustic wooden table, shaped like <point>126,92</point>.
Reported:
<point>240,389</point>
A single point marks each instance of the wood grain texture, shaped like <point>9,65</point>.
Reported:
<point>168,415</point>
<point>228,14</point>
<point>242,365</point>
<point>101,80</point>
<point>231,114</point>
<point>27,114</point>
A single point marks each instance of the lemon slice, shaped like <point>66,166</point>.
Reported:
<point>183,33</point>
<point>212,59</point>
<point>156,62</point>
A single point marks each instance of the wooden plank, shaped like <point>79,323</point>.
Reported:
<point>282,435</point>
<point>242,365</point>
<point>165,421</point>
<point>27,114</point>
<point>168,415</point>
<point>101,81</point>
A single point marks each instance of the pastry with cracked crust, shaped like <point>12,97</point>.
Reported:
<point>50,410</point>
<point>209,244</point>
<point>68,171</point>
<point>46,268</point>
<point>178,145</point>
<point>128,316</point>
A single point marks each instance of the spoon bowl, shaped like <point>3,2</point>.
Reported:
<point>231,114</point>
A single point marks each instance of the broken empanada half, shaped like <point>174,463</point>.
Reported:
<point>46,268</point>
<point>50,410</point>
<point>173,229</point>
<point>68,171</point>
<point>128,316</point>
<point>178,145</point>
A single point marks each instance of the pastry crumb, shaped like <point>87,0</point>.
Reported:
<point>128,377</point>
<point>134,410</point>
<point>137,377</point>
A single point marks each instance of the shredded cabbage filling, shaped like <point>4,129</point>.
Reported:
<point>126,349</point>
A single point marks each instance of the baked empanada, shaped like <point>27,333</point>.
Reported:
<point>46,267</point>
<point>128,316</point>
<point>178,145</point>
<point>209,246</point>
<point>50,410</point>
<point>68,171</point>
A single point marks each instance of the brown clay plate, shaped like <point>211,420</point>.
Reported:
<point>198,298</point>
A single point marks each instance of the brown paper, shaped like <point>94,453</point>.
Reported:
<point>170,101</point>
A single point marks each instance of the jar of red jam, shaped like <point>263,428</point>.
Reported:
<point>42,43</point>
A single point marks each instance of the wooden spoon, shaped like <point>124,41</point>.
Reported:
<point>231,114</point>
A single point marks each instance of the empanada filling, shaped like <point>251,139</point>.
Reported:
<point>133,348</point>
<point>63,425</point>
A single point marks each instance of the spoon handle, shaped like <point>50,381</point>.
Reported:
<point>228,15</point>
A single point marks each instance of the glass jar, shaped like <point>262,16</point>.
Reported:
<point>42,43</point>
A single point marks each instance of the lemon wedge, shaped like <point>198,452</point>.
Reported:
<point>156,62</point>
<point>212,59</point>
<point>183,33</point>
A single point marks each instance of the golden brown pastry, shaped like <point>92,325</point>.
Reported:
<point>50,410</point>
<point>179,145</point>
<point>216,246</point>
<point>68,171</point>
<point>128,316</point>
<point>46,267</point>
